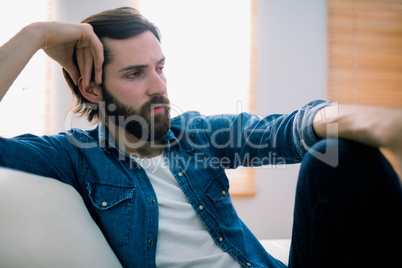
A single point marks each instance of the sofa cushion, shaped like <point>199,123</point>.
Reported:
<point>278,248</point>
<point>44,223</point>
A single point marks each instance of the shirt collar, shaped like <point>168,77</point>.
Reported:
<point>107,141</point>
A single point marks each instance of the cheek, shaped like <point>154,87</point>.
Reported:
<point>127,93</point>
<point>163,77</point>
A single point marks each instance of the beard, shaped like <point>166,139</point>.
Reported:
<point>141,122</point>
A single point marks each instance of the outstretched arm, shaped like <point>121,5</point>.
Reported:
<point>375,126</point>
<point>58,40</point>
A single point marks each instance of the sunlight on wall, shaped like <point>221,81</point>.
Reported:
<point>24,108</point>
<point>207,47</point>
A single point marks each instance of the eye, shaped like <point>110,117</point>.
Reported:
<point>134,74</point>
<point>160,67</point>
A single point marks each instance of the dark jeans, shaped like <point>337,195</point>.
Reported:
<point>347,214</point>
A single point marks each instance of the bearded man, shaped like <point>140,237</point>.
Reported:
<point>175,210</point>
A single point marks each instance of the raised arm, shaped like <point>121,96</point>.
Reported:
<point>58,40</point>
<point>375,126</point>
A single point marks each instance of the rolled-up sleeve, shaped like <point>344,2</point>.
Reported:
<point>303,132</point>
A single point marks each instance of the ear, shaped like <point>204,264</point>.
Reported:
<point>92,93</point>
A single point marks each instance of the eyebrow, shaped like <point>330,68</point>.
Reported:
<point>140,66</point>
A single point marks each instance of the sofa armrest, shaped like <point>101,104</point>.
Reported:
<point>44,223</point>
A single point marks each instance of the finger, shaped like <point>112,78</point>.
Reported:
<point>80,61</point>
<point>87,65</point>
<point>91,40</point>
<point>98,58</point>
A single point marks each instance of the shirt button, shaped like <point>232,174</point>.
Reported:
<point>180,174</point>
<point>220,239</point>
<point>201,207</point>
<point>223,192</point>
<point>104,204</point>
<point>152,201</point>
<point>150,242</point>
<point>248,264</point>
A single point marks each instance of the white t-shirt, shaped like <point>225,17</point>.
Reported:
<point>183,240</point>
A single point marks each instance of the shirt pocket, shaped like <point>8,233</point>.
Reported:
<point>114,207</point>
<point>218,192</point>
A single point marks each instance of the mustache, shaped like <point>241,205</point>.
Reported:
<point>155,101</point>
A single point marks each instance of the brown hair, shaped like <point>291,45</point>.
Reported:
<point>120,23</point>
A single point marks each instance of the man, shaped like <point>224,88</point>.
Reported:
<point>152,184</point>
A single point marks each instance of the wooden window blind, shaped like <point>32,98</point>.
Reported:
<point>365,53</point>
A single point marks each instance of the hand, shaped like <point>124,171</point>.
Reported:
<point>60,40</point>
<point>395,139</point>
<point>375,126</point>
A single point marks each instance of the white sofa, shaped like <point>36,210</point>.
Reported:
<point>44,223</point>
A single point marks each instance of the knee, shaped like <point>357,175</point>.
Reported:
<point>331,164</point>
<point>344,161</point>
<point>332,153</point>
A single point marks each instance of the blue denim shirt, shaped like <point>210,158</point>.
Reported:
<point>120,197</point>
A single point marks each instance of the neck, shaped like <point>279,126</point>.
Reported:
<point>133,146</point>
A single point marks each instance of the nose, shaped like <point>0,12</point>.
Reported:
<point>157,84</point>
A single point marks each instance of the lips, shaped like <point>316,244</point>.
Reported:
<point>157,105</point>
<point>157,109</point>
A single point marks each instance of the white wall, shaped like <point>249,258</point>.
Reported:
<point>291,72</point>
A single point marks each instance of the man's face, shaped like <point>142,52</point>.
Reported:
<point>134,88</point>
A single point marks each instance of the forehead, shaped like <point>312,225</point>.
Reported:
<point>143,48</point>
